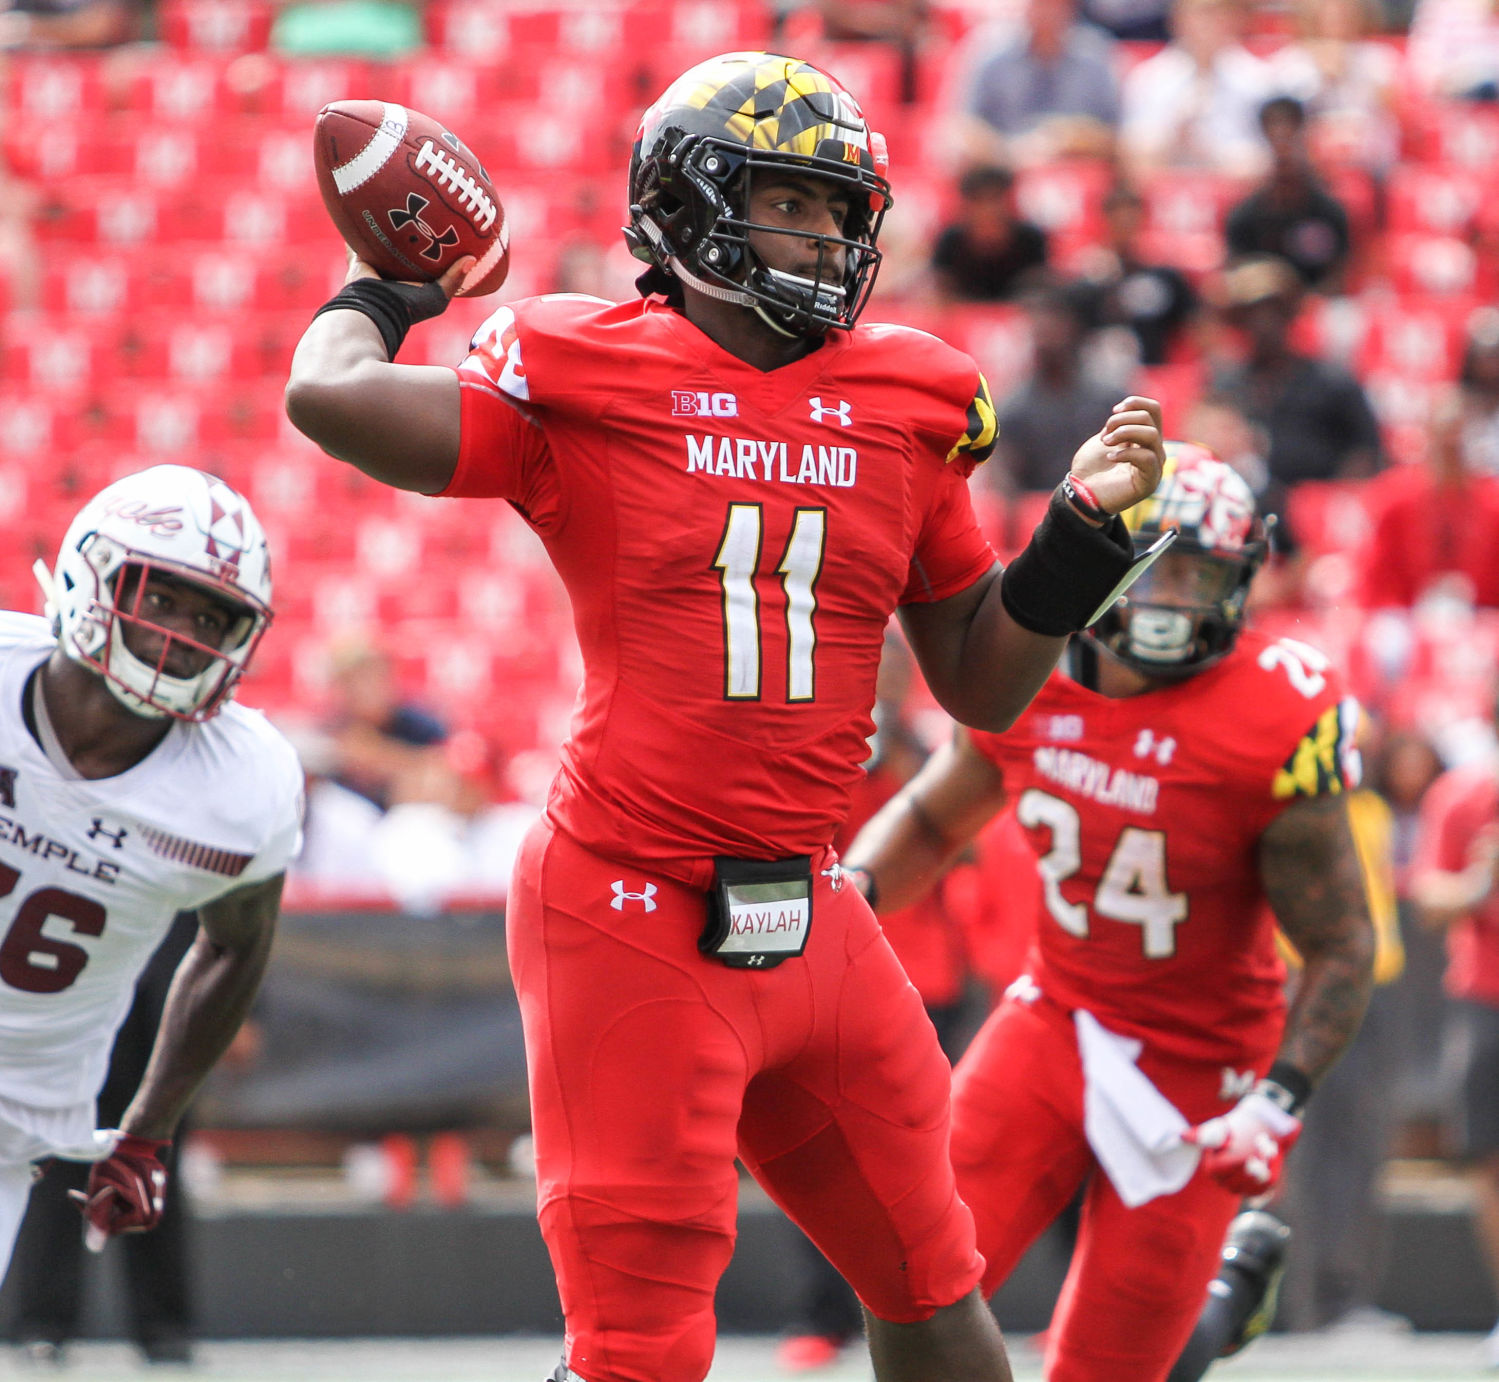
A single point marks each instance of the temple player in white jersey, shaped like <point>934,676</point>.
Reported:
<point>131,789</point>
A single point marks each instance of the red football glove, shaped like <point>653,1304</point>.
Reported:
<point>126,1190</point>
<point>1244,1148</point>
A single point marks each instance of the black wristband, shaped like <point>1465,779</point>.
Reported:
<point>1288,1087</point>
<point>1055,586</point>
<point>394,307</point>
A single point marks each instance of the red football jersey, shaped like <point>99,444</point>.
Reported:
<point>734,542</point>
<point>1144,813</point>
<point>1455,812</point>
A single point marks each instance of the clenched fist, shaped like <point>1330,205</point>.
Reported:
<point>1122,464</point>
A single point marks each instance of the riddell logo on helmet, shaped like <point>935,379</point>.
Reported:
<point>162,521</point>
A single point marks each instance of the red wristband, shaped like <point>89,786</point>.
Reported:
<point>1083,499</point>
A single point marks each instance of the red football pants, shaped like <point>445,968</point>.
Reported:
<point>652,1066</point>
<point>1139,1276</point>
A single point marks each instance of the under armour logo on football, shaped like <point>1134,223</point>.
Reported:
<point>843,411</point>
<point>98,830</point>
<point>412,216</point>
<point>646,897</point>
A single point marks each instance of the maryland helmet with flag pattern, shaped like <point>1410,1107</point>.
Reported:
<point>698,147</point>
<point>185,526</point>
<point>1186,611</point>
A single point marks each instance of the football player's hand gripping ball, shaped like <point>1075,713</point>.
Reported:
<point>1245,1148</point>
<point>126,1190</point>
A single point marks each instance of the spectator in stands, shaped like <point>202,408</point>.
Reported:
<point>1196,103</point>
<point>984,253</point>
<point>1346,81</point>
<point>1435,522</point>
<point>69,24</point>
<point>1140,21</point>
<point>1121,287</point>
<point>1043,91</point>
<point>47,1268</point>
<point>1315,414</point>
<point>1453,51</point>
<point>1455,886</point>
<point>1479,379</point>
<point>1220,424</point>
<point>376,738</point>
<point>1058,396</point>
<point>1291,213</point>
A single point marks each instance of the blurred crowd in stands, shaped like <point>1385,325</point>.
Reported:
<point>1279,218</point>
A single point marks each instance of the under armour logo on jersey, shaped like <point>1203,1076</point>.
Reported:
<point>646,898</point>
<point>98,830</point>
<point>1148,746</point>
<point>843,411</point>
<point>8,786</point>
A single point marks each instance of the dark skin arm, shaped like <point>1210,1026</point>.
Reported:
<point>919,833</point>
<point>396,423</point>
<point>1310,869</point>
<point>210,996</point>
<point>982,667</point>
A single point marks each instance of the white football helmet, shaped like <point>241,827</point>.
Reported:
<point>1185,612</point>
<point>174,521</point>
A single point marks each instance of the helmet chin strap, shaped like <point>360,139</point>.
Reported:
<point>713,290</point>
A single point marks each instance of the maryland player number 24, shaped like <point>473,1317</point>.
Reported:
<point>1133,887</point>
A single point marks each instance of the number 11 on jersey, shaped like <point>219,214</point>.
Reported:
<point>737,564</point>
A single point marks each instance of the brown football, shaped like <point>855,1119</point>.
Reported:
<point>408,195</point>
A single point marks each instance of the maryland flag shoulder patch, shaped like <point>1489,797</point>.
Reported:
<point>1325,760</point>
<point>981,428</point>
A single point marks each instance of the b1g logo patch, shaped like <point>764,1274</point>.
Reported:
<point>690,403</point>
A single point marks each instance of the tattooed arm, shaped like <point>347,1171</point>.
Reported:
<point>1310,868</point>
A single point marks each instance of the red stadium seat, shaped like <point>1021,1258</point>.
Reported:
<point>998,336</point>
<point>1439,265</point>
<point>50,87</point>
<point>1185,214</point>
<point>1434,200</point>
<point>1328,516</point>
<point>216,26</point>
<point>1416,337</point>
<point>1066,200</point>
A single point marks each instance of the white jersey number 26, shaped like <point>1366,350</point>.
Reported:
<point>39,963</point>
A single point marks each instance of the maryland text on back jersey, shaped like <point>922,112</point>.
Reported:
<point>733,542</point>
<point>1145,813</point>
